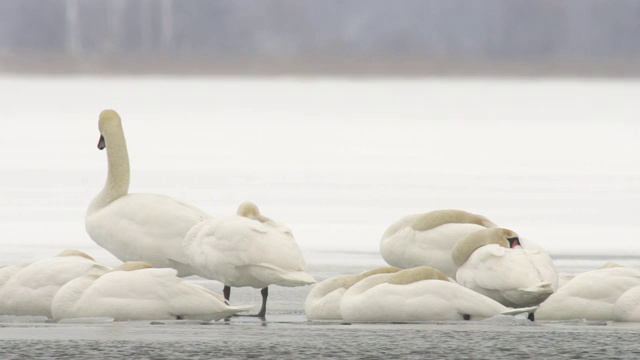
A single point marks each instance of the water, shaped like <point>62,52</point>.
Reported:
<point>337,161</point>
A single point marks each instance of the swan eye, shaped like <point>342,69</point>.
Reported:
<point>513,241</point>
<point>101,143</point>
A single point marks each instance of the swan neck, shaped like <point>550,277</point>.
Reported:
<point>118,175</point>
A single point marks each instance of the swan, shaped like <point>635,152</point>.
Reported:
<point>418,294</point>
<point>323,301</point>
<point>136,291</point>
<point>144,227</point>
<point>7,272</point>
<point>627,307</point>
<point>590,295</point>
<point>30,290</point>
<point>247,249</point>
<point>492,262</point>
<point>427,239</point>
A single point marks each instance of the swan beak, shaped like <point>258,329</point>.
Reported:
<point>513,242</point>
<point>101,143</point>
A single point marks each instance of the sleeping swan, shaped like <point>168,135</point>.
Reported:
<point>492,262</point>
<point>427,239</point>
<point>247,249</point>
<point>135,291</point>
<point>323,301</point>
<point>627,307</point>
<point>30,290</point>
<point>144,227</point>
<point>590,295</point>
<point>417,294</point>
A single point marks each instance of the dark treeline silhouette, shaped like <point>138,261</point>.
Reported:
<point>566,37</point>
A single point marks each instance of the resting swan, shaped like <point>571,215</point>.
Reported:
<point>590,295</point>
<point>417,294</point>
<point>30,290</point>
<point>492,262</point>
<point>247,249</point>
<point>144,227</point>
<point>427,239</point>
<point>135,291</point>
<point>323,301</point>
<point>627,307</point>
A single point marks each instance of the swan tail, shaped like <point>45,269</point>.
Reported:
<point>231,310</point>
<point>272,274</point>
<point>517,311</point>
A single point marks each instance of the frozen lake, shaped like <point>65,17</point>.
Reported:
<point>337,161</point>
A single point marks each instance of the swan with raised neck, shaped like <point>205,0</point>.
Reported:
<point>118,175</point>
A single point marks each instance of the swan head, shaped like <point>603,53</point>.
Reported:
<point>415,274</point>
<point>250,210</point>
<point>467,245</point>
<point>108,120</point>
<point>72,252</point>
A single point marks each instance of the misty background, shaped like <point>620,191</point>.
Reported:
<point>308,37</point>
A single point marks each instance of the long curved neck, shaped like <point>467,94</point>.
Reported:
<point>118,176</point>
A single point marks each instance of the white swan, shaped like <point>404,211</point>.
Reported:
<point>590,295</point>
<point>417,294</point>
<point>247,249</point>
<point>144,227</point>
<point>427,239</point>
<point>492,262</point>
<point>30,290</point>
<point>627,307</point>
<point>7,272</point>
<point>323,301</point>
<point>135,291</point>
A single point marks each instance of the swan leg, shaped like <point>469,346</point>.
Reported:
<point>531,317</point>
<point>263,310</point>
<point>227,292</point>
<point>466,316</point>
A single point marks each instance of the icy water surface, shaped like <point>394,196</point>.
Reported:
<point>286,334</point>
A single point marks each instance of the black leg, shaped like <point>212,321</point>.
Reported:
<point>263,310</point>
<point>466,316</point>
<point>531,317</point>
<point>227,292</point>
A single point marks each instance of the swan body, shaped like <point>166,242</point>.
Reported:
<point>144,227</point>
<point>590,295</point>
<point>323,301</point>
<point>514,277</point>
<point>135,291</point>
<point>417,294</point>
<point>246,249</point>
<point>30,290</point>
<point>427,239</point>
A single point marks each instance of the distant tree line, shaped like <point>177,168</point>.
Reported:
<point>307,34</point>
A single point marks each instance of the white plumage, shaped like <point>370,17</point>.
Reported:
<point>247,249</point>
<point>418,294</point>
<point>135,291</point>
<point>590,295</point>
<point>30,290</point>
<point>323,301</point>
<point>516,277</point>
<point>427,239</point>
<point>142,227</point>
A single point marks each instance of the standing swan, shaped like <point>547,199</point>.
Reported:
<point>135,291</point>
<point>247,249</point>
<point>144,227</point>
<point>492,262</point>
<point>427,239</point>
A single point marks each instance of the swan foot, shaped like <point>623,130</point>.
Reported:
<point>466,317</point>
<point>531,317</point>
